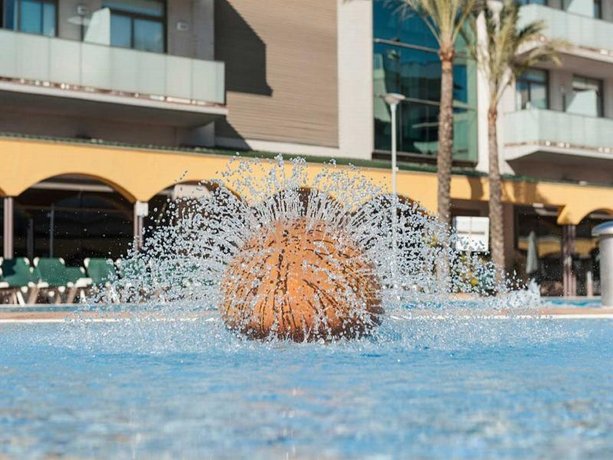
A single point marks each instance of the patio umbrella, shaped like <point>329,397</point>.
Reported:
<point>532,261</point>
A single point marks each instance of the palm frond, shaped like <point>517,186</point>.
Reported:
<point>510,50</point>
<point>445,18</point>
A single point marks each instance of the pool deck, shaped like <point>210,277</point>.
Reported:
<point>60,316</point>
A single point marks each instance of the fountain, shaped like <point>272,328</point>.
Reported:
<point>303,280</point>
<point>281,252</point>
<point>192,351</point>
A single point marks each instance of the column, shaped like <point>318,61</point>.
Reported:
<point>141,210</point>
<point>568,249</point>
<point>8,227</point>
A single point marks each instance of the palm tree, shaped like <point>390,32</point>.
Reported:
<point>506,53</point>
<point>446,20</point>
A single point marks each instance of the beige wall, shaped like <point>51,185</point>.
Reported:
<point>281,71</point>
<point>139,174</point>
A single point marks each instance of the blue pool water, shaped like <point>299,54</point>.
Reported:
<point>420,389</point>
<point>580,302</point>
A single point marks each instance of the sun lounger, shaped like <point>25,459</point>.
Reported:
<point>101,271</point>
<point>63,282</point>
<point>22,280</point>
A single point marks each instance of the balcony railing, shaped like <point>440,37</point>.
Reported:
<point>90,67</point>
<point>579,30</point>
<point>558,129</point>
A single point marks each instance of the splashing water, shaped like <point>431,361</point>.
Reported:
<point>373,252</point>
<point>455,366</point>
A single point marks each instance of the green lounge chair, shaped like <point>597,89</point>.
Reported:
<point>61,280</point>
<point>101,271</point>
<point>78,282</point>
<point>21,279</point>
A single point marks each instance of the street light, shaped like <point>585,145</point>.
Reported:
<point>393,99</point>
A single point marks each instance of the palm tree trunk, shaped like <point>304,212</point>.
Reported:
<point>443,160</point>
<point>445,136</point>
<point>495,202</point>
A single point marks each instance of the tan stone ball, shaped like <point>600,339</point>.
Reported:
<point>301,280</point>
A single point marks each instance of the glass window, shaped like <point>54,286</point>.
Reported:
<point>586,98</point>
<point>121,31</point>
<point>418,130</point>
<point>138,24</point>
<point>391,22</point>
<point>406,61</point>
<point>138,7</point>
<point>148,35</point>
<point>532,2</point>
<point>9,12</point>
<point>598,9</point>
<point>31,16</point>
<point>49,19</point>
<point>533,90</point>
<point>408,71</point>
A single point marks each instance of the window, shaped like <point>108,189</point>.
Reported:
<point>406,61</point>
<point>31,16</point>
<point>533,90</point>
<point>532,2</point>
<point>138,24</point>
<point>597,9</point>
<point>586,98</point>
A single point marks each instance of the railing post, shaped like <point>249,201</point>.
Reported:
<point>8,227</point>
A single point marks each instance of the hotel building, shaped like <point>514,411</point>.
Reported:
<point>106,105</point>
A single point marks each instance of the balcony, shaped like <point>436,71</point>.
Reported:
<point>528,132</point>
<point>581,31</point>
<point>85,76</point>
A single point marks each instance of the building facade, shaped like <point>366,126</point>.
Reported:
<point>107,104</point>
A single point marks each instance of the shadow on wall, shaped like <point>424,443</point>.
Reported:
<point>242,50</point>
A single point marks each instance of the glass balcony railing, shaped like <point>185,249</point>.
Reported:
<point>577,29</point>
<point>562,129</point>
<point>102,68</point>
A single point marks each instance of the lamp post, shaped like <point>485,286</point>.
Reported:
<point>393,99</point>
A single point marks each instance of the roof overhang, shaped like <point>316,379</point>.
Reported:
<point>27,98</point>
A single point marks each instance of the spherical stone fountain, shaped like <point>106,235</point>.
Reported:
<point>302,280</point>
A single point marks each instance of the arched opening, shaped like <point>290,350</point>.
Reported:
<point>306,197</point>
<point>538,247</point>
<point>73,217</point>
<point>177,200</point>
<point>562,259</point>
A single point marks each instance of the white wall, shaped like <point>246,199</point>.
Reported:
<point>355,79</point>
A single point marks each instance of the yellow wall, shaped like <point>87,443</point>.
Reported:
<point>140,174</point>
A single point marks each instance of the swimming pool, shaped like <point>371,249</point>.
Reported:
<point>579,302</point>
<point>427,389</point>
